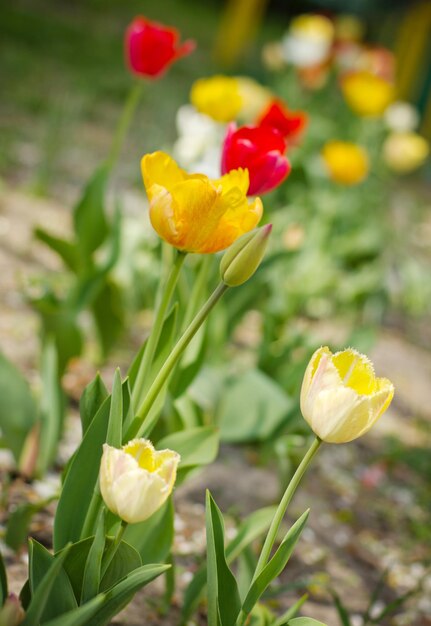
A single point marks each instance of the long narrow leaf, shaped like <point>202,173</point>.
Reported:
<point>223,598</point>
<point>290,613</point>
<point>91,577</point>
<point>41,595</point>
<point>276,564</point>
<point>81,616</point>
<point>115,424</point>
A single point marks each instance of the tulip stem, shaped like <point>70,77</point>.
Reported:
<point>113,547</point>
<point>141,427</point>
<point>164,298</point>
<point>124,122</point>
<point>280,513</point>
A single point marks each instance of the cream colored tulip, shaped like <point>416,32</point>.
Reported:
<point>341,398</point>
<point>136,479</point>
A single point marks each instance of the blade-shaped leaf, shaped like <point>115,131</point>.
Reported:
<point>91,576</point>
<point>276,565</point>
<point>90,223</point>
<point>290,613</point>
<point>65,249</point>
<point>109,314</point>
<point>18,411</point>
<point>51,591</point>
<point>80,481</point>
<point>80,616</point>
<point>51,408</point>
<point>119,596</point>
<point>3,581</point>
<point>251,528</point>
<point>115,423</point>
<point>305,621</point>
<point>223,597</point>
<point>91,400</point>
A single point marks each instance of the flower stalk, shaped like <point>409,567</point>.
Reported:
<point>129,109</point>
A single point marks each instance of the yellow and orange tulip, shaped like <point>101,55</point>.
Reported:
<point>194,213</point>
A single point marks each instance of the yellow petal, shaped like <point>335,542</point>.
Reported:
<point>356,371</point>
<point>159,168</point>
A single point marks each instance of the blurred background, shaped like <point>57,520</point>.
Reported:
<point>349,265</point>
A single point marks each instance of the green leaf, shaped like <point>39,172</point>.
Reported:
<point>117,597</point>
<point>65,249</point>
<point>91,576</point>
<point>19,521</point>
<point>3,581</point>
<point>223,598</point>
<point>51,591</point>
<point>305,621</point>
<point>276,565</point>
<point>80,481</point>
<point>251,528</point>
<point>253,407</point>
<point>126,560</point>
<point>109,314</point>
<point>91,400</point>
<point>153,538</point>
<point>51,408</point>
<point>284,619</point>
<point>63,326</point>
<point>197,446</point>
<point>341,609</point>
<point>81,616</point>
<point>90,223</point>
<point>115,423</point>
<point>18,411</point>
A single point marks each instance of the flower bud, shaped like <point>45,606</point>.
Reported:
<point>341,398</point>
<point>136,480</point>
<point>242,259</point>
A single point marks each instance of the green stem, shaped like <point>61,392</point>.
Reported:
<point>111,551</point>
<point>124,122</point>
<point>279,515</point>
<point>198,290</point>
<point>92,513</point>
<point>141,426</point>
<point>282,507</point>
<point>164,298</point>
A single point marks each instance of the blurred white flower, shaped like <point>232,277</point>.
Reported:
<point>199,144</point>
<point>401,117</point>
<point>308,41</point>
<point>405,152</point>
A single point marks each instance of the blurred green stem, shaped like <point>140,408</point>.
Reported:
<point>141,426</point>
<point>163,299</point>
<point>280,513</point>
<point>123,125</point>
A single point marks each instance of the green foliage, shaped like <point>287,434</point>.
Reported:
<point>153,538</point>
<point>18,411</point>
<point>91,400</point>
<point>3,582</point>
<point>223,597</point>
<point>305,621</point>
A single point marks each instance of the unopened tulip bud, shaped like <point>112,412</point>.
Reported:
<point>12,613</point>
<point>341,398</point>
<point>136,480</point>
<point>242,259</point>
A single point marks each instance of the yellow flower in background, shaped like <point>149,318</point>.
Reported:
<point>308,41</point>
<point>405,152</point>
<point>193,212</point>
<point>136,480</point>
<point>341,398</point>
<point>367,94</point>
<point>347,163</point>
<point>218,96</point>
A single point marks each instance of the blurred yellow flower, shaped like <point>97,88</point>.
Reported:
<point>193,212</point>
<point>218,96</point>
<point>347,163</point>
<point>136,480</point>
<point>405,152</point>
<point>367,94</point>
<point>341,398</point>
<point>308,41</point>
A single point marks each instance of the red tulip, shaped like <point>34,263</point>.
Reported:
<point>261,151</point>
<point>290,124</point>
<point>151,47</point>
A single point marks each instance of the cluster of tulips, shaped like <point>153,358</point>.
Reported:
<point>116,489</point>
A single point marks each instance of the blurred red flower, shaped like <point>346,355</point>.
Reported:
<point>259,149</point>
<point>151,47</point>
<point>290,124</point>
